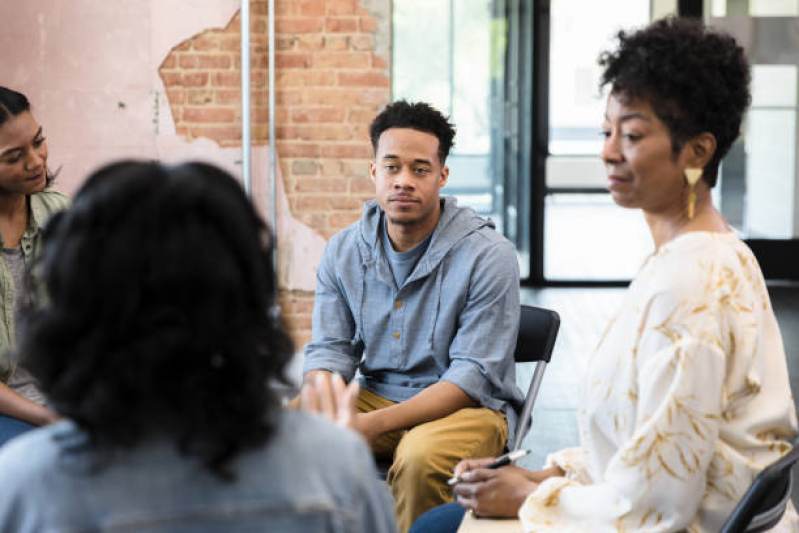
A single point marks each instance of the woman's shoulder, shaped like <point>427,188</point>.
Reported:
<point>48,202</point>
<point>701,266</point>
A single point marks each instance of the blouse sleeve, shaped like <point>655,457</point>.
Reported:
<point>656,478</point>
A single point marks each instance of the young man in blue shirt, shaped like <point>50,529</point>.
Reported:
<point>420,296</point>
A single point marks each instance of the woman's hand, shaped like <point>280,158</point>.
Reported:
<point>492,492</point>
<point>327,395</point>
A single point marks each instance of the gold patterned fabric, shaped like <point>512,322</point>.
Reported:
<point>685,400</point>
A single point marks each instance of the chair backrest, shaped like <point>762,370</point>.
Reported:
<point>763,505</point>
<point>538,329</point>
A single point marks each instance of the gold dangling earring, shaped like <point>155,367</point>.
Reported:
<point>692,175</point>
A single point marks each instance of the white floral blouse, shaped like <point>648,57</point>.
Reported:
<point>686,398</point>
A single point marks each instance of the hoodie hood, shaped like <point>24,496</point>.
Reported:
<point>455,224</point>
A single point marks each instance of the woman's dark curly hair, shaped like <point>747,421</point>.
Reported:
<point>417,116</point>
<point>154,314</point>
<point>696,79</point>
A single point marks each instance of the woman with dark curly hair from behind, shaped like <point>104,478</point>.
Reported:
<point>687,395</point>
<point>152,334</point>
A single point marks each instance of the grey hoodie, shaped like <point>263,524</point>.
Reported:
<point>455,317</point>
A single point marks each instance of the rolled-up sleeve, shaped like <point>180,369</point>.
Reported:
<point>481,352</point>
<point>332,345</point>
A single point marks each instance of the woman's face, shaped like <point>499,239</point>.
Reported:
<point>642,169</point>
<point>23,156</point>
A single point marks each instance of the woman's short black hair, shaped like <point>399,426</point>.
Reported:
<point>416,116</point>
<point>155,313</point>
<point>12,104</point>
<point>695,78</point>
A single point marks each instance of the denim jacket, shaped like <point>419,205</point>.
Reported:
<point>310,477</point>
<point>455,318</point>
<point>42,205</point>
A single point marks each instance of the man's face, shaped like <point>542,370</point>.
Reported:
<point>408,176</point>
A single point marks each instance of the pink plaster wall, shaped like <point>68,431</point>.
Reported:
<point>90,69</point>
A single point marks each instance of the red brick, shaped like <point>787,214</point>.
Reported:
<point>372,97</point>
<point>379,62</point>
<point>346,151</point>
<point>175,96</point>
<point>304,167</point>
<point>317,115</point>
<point>172,79</point>
<point>340,97</point>
<point>200,96</point>
<point>214,61</point>
<point>304,78</point>
<point>342,7</point>
<point>197,79</point>
<point>293,60</point>
<point>362,185</point>
<point>217,133</point>
<point>361,115</point>
<point>205,42</point>
<point>282,43</point>
<point>288,97</point>
<point>343,203</point>
<point>331,167</point>
<point>230,43</point>
<point>342,220</point>
<point>313,184</point>
<point>312,8</point>
<point>342,59</point>
<point>336,43</point>
<point>258,25</point>
<point>258,8</point>
<point>367,24</point>
<point>311,203</point>
<point>362,79</point>
<point>297,149</point>
<point>310,43</point>
<point>226,79</point>
<point>341,24</point>
<point>299,25</point>
<point>362,42</point>
<point>209,114</point>
<point>169,61</point>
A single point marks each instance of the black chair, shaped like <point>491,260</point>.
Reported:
<point>763,505</point>
<point>538,329</point>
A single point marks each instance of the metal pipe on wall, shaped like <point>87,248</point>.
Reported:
<point>272,137</point>
<point>246,145</point>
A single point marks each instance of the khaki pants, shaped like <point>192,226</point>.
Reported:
<point>423,457</point>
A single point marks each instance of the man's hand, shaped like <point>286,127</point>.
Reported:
<point>492,492</point>
<point>326,394</point>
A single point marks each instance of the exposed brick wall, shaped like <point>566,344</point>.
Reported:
<point>330,82</point>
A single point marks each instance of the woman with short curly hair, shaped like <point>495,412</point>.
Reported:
<point>687,396</point>
<point>154,334</point>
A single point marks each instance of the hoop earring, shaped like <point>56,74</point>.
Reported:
<point>692,175</point>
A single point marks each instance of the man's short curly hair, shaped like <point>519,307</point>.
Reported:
<point>152,315</point>
<point>417,116</point>
<point>695,78</point>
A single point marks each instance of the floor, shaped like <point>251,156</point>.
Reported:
<point>584,313</point>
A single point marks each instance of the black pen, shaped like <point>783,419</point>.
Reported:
<point>500,461</point>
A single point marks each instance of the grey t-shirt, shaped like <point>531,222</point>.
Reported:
<point>21,382</point>
<point>402,263</point>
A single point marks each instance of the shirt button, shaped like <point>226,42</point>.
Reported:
<point>398,304</point>
<point>396,335</point>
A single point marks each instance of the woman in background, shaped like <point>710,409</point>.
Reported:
<point>152,333</point>
<point>25,204</point>
<point>687,396</point>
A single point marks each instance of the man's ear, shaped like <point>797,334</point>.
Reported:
<point>444,176</point>
<point>373,172</point>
